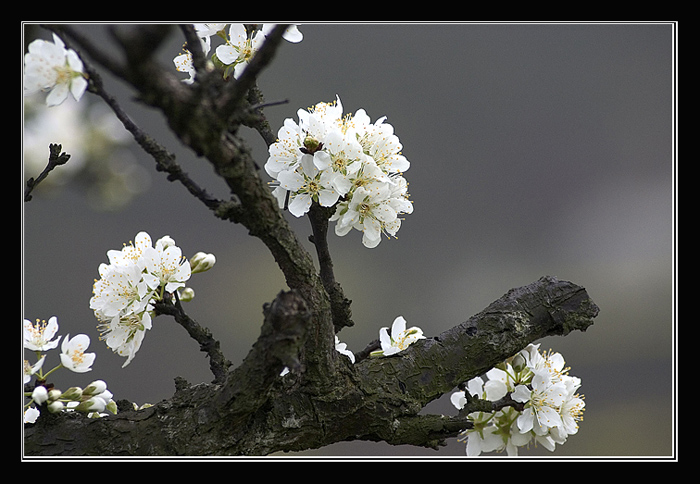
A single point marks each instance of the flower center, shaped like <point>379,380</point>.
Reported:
<point>37,331</point>
<point>64,74</point>
<point>77,355</point>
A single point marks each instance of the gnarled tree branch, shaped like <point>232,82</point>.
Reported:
<point>257,412</point>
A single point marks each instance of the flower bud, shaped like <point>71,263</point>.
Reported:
<point>95,388</point>
<point>40,394</point>
<point>105,395</point>
<point>201,262</point>
<point>55,406</point>
<point>165,241</point>
<point>112,407</point>
<point>54,394</point>
<point>92,404</point>
<point>311,144</point>
<point>518,362</point>
<point>186,294</point>
<point>73,393</point>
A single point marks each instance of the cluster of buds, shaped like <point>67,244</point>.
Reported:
<point>93,399</point>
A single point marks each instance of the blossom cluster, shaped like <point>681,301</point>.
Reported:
<point>234,55</point>
<point>551,406</point>
<point>136,277</point>
<point>39,338</point>
<point>343,161</point>
<point>49,66</point>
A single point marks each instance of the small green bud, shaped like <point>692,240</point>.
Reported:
<point>112,407</point>
<point>73,393</point>
<point>55,406</point>
<point>201,262</point>
<point>92,404</point>
<point>186,294</point>
<point>95,388</point>
<point>311,145</point>
<point>518,362</point>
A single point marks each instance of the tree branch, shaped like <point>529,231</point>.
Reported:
<point>340,305</point>
<point>431,367</point>
<point>56,158</point>
<point>217,361</point>
<point>230,100</point>
<point>257,412</point>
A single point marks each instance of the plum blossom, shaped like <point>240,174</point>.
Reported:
<point>39,336</point>
<point>308,185</point>
<point>73,355</point>
<point>342,161</point>
<point>237,50</point>
<point>136,277</point>
<point>49,66</point>
<point>399,339</point>
<point>342,348</point>
<point>546,407</point>
<point>291,34</point>
<point>542,404</point>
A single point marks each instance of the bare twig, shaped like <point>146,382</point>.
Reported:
<point>340,305</point>
<point>56,158</point>
<point>217,362</point>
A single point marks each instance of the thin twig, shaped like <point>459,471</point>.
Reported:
<point>217,361</point>
<point>340,305</point>
<point>56,158</point>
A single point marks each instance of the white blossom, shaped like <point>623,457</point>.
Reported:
<point>39,336</point>
<point>31,414</point>
<point>30,369</point>
<point>239,49</point>
<point>73,355</point>
<point>136,277</point>
<point>291,34</point>
<point>551,408</point>
<point>236,52</point>
<point>399,339</point>
<point>342,161</point>
<point>49,66</point>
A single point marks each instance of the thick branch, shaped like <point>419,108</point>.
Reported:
<point>278,346</point>
<point>434,366</point>
<point>257,412</point>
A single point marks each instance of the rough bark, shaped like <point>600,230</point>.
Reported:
<point>257,412</point>
<point>252,410</point>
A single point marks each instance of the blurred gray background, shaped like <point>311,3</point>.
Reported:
<point>535,149</point>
